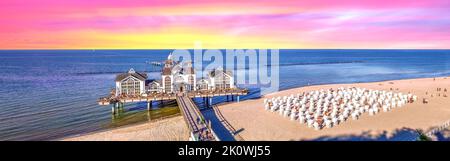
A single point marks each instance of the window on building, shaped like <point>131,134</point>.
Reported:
<point>130,86</point>
<point>167,84</point>
<point>202,85</point>
<point>191,80</point>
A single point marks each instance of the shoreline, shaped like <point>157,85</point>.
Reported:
<point>264,124</point>
<point>387,80</point>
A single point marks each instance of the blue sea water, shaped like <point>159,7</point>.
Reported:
<point>49,94</point>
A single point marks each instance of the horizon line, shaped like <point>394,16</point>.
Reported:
<point>233,49</point>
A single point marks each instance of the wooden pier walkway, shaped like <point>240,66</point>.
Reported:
<point>111,99</point>
<point>200,131</point>
<point>199,127</point>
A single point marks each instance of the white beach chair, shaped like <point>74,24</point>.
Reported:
<point>310,122</point>
<point>316,126</point>
<point>341,118</point>
<point>371,112</point>
<point>328,124</point>
<point>355,116</point>
<point>302,119</point>
<point>335,121</point>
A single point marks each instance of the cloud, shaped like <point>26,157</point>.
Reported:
<point>263,23</point>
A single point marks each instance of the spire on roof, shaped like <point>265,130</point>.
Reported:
<point>131,70</point>
<point>169,57</point>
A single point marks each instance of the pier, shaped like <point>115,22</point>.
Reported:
<point>149,97</point>
<point>200,129</point>
<point>178,82</point>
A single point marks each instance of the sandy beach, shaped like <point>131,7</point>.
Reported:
<point>255,123</point>
<point>170,129</point>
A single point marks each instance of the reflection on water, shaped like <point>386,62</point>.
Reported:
<point>136,113</point>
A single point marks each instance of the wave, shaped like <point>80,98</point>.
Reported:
<point>319,63</point>
<point>113,72</point>
<point>238,68</point>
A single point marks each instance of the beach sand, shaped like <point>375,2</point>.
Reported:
<point>170,129</point>
<point>255,123</point>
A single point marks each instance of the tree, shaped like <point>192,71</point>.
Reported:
<point>422,136</point>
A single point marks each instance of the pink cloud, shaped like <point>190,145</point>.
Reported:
<point>317,22</point>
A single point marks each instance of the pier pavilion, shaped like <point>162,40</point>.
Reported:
<point>178,82</point>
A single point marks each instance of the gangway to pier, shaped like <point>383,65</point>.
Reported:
<point>194,119</point>
<point>200,129</point>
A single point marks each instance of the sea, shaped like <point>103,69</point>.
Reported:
<point>52,94</point>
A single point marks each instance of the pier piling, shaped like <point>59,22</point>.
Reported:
<point>115,107</point>
<point>118,103</point>
<point>210,101</point>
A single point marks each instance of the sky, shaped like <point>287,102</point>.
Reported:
<point>186,24</point>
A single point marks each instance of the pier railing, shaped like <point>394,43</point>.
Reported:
<point>154,96</point>
<point>195,120</point>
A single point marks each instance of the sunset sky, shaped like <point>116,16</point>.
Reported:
<point>168,24</point>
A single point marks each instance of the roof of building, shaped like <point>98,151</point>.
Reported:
<point>190,70</point>
<point>214,72</point>
<point>169,62</point>
<point>202,80</point>
<point>166,71</point>
<point>131,72</point>
<point>185,70</point>
<point>152,80</point>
